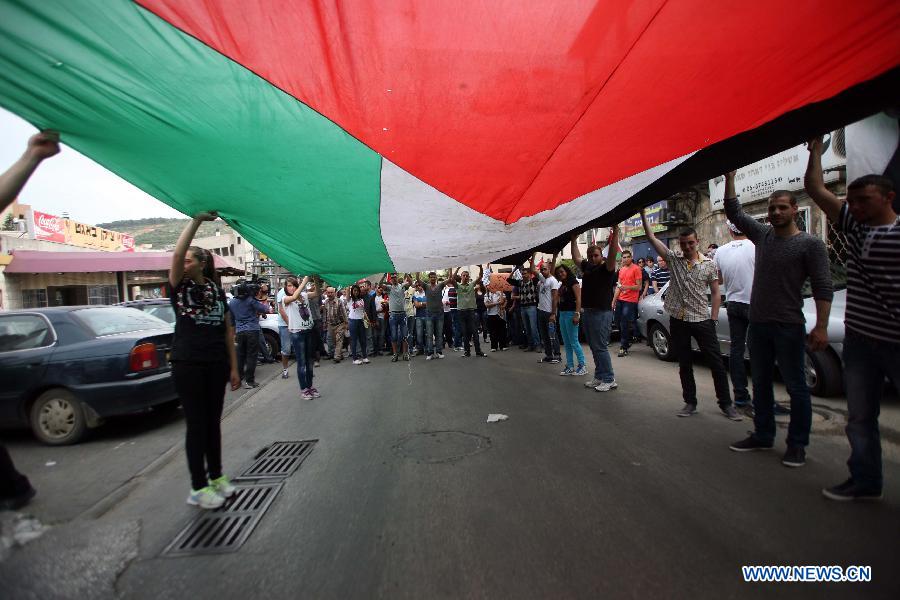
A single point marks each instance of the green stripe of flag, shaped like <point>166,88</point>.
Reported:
<point>195,130</point>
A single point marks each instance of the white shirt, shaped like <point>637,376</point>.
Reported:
<point>295,321</point>
<point>278,298</point>
<point>356,308</point>
<point>545,292</point>
<point>736,261</point>
<point>493,297</point>
<point>445,298</point>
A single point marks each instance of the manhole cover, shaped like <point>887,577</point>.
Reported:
<point>441,446</point>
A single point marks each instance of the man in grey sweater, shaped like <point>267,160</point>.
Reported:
<point>397,319</point>
<point>785,258</point>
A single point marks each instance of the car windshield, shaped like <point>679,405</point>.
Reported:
<point>110,320</point>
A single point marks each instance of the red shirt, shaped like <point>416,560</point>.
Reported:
<point>630,276</point>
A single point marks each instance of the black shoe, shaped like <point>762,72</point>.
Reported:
<point>749,444</point>
<point>18,501</point>
<point>795,456</point>
<point>850,490</point>
<point>780,410</point>
<point>395,358</point>
<point>466,353</point>
<point>525,348</point>
<point>479,353</point>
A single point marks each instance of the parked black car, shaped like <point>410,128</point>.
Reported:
<point>64,369</point>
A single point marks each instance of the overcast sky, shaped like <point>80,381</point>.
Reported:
<point>70,182</point>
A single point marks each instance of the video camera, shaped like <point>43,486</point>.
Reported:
<point>243,288</point>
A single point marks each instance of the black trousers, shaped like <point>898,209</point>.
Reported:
<point>12,483</point>
<point>201,389</point>
<point>705,334</point>
<point>497,327</point>
<point>467,325</point>
<point>247,347</point>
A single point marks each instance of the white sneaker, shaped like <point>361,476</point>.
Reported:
<point>493,349</point>
<point>306,395</point>
<point>206,498</point>
<point>580,371</point>
<point>429,357</point>
<point>357,362</point>
<point>460,349</point>
<point>440,355</point>
<point>605,387</point>
<point>567,371</point>
<point>365,361</point>
<point>593,383</point>
<point>284,374</point>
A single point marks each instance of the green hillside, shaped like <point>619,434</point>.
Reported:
<point>161,232</point>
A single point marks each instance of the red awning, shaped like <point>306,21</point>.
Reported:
<point>35,261</point>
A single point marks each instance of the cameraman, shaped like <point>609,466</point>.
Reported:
<point>246,310</point>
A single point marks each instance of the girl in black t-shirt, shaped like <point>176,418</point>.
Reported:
<point>203,360</point>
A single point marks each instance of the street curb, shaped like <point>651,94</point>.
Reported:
<point>108,502</point>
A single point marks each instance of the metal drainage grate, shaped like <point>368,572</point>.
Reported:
<point>280,460</point>
<point>227,528</point>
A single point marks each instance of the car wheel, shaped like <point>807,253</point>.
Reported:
<point>57,418</point>
<point>661,343</point>
<point>273,342</point>
<point>823,374</point>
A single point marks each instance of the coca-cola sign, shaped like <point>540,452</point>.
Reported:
<point>49,227</point>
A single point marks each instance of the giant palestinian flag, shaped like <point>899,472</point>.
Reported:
<point>346,138</point>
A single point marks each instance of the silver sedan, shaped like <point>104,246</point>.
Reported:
<point>824,370</point>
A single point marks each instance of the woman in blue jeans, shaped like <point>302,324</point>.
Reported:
<point>570,318</point>
<point>300,325</point>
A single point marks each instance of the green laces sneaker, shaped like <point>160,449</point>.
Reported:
<point>223,486</point>
<point>206,498</point>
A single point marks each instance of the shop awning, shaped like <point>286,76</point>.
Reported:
<point>35,261</point>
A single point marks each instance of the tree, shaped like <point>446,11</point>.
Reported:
<point>8,224</point>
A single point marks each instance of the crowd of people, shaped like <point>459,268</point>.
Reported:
<point>763,270</point>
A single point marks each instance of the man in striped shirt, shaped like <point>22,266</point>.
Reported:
<point>660,275</point>
<point>872,319</point>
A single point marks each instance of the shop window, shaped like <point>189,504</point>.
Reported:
<point>34,298</point>
<point>103,294</point>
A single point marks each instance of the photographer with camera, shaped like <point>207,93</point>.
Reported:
<point>246,310</point>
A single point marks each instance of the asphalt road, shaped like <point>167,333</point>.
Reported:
<point>409,493</point>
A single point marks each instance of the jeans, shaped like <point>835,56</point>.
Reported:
<point>420,334</point>
<point>304,347</point>
<point>467,325</point>
<point>201,389</point>
<point>457,329</point>
<point>357,339</point>
<point>263,352</point>
<point>569,332</point>
<point>497,327</point>
<point>705,334</point>
<point>598,326</point>
<point>318,348</point>
<point>284,338</point>
<point>513,324</point>
<point>627,316</point>
<point>738,322</point>
<point>785,343</point>
<point>481,322</point>
<point>398,330</point>
<point>529,318</point>
<point>247,347</point>
<point>378,333</point>
<point>867,362</point>
<point>434,333</point>
<point>410,333</point>
<point>551,342</point>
